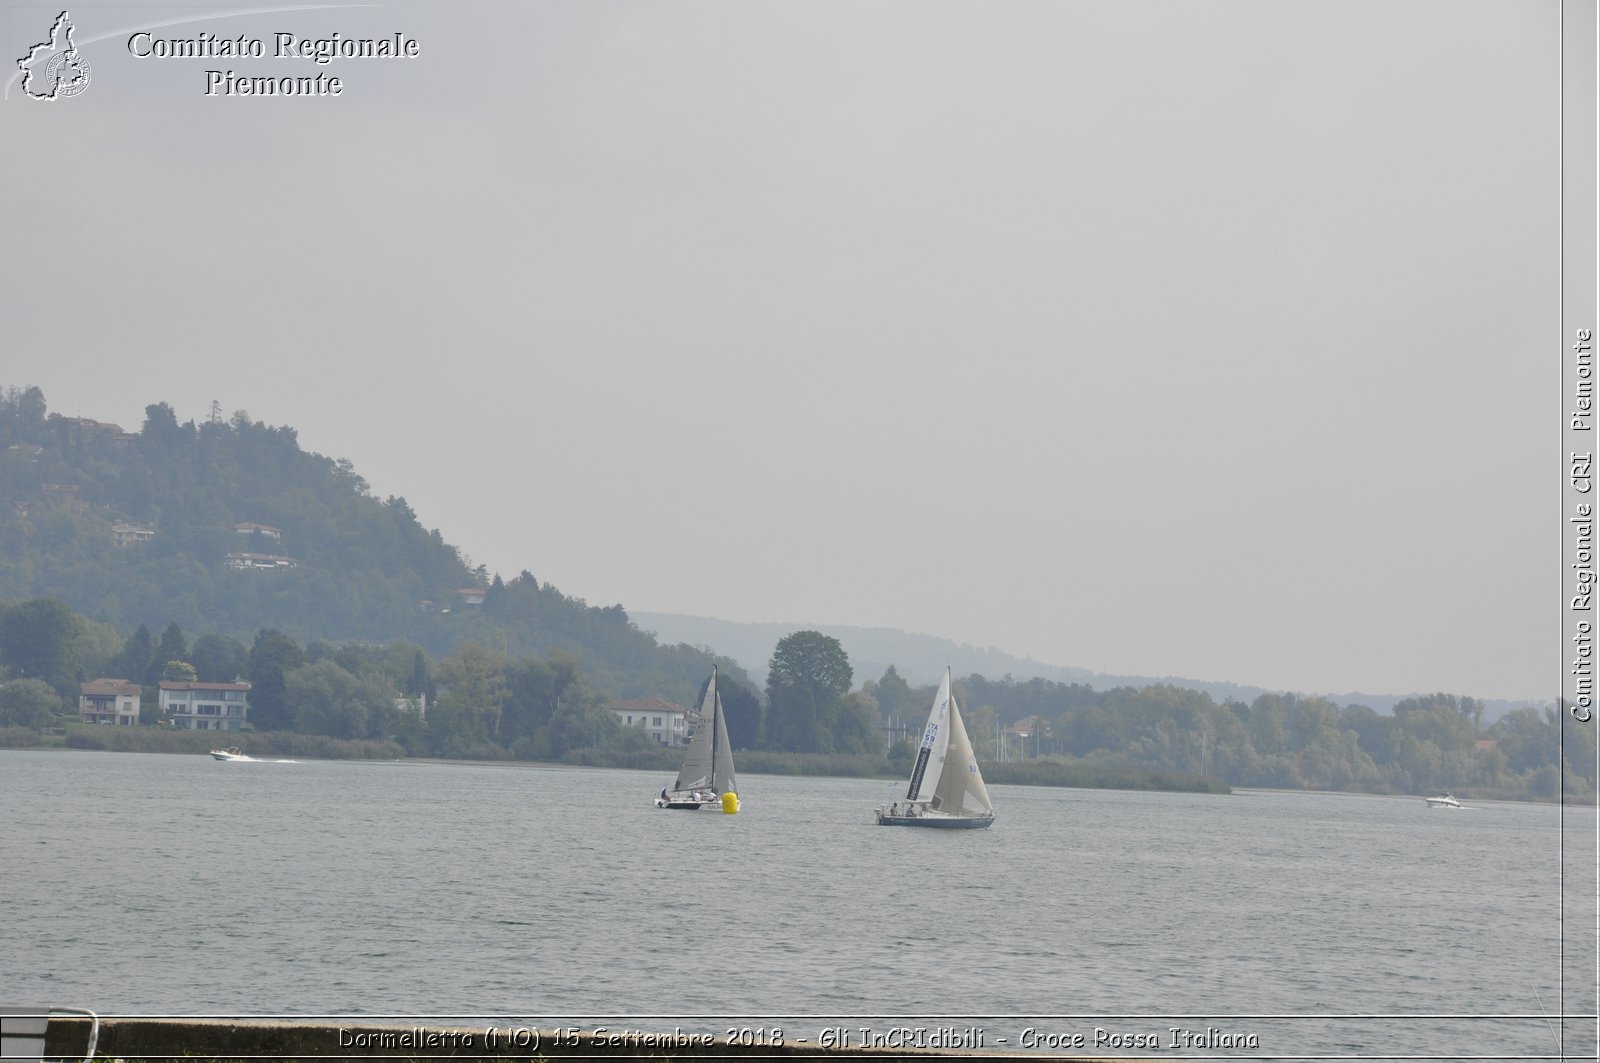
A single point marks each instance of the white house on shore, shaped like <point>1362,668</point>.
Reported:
<point>206,706</point>
<point>665,721</point>
<point>109,701</point>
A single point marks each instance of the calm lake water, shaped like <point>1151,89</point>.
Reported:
<point>1317,925</point>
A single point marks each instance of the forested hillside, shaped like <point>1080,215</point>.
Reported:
<point>255,559</point>
<point>229,527</point>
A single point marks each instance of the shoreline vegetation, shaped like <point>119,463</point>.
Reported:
<point>1059,772</point>
<point>286,744</point>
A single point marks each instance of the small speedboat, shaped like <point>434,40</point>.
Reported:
<point>231,753</point>
<point>1443,801</point>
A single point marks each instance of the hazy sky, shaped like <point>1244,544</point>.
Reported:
<point>1215,339</point>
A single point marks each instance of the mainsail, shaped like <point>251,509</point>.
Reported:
<point>709,762</point>
<point>935,740</point>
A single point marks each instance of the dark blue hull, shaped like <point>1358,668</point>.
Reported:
<point>942,822</point>
<point>684,806</point>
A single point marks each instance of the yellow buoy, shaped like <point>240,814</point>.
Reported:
<point>730,803</point>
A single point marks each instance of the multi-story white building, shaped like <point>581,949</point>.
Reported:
<point>667,722</point>
<point>206,706</point>
<point>109,701</point>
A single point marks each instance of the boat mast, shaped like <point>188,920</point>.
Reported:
<point>716,706</point>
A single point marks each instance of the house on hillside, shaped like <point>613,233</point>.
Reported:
<point>246,562</point>
<point>206,706</point>
<point>471,595</point>
<point>247,529</point>
<point>89,428</point>
<point>125,533</point>
<point>665,721</point>
<point>114,702</point>
<point>90,425</point>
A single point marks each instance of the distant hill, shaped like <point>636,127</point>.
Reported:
<point>229,527</point>
<point>921,659</point>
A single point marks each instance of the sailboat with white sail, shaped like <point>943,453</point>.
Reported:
<point>946,787</point>
<point>707,776</point>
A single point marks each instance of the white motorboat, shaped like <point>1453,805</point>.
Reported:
<point>1445,800</point>
<point>231,753</point>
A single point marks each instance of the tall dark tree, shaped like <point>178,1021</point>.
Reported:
<point>219,659</point>
<point>161,425</point>
<point>807,679</point>
<point>531,699</point>
<point>741,709</point>
<point>895,696</point>
<point>172,647</point>
<point>31,415</point>
<point>273,655</point>
<point>418,683</point>
<point>137,653</point>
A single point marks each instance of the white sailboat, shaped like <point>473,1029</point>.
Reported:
<point>946,787</point>
<point>707,776</point>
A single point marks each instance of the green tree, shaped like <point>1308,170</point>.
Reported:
<point>474,690</point>
<point>138,651</point>
<point>580,722</point>
<point>328,700</point>
<point>161,426</point>
<point>419,682</point>
<point>895,696</point>
<point>807,679</point>
<point>38,640</point>
<point>741,708</point>
<point>172,647</point>
<point>856,730</point>
<point>178,672</point>
<point>30,416</point>
<point>28,703</point>
<point>219,658</point>
<point>534,690</point>
<point>273,655</point>
<point>1526,741</point>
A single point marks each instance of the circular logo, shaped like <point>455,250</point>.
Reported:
<point>67,73</point>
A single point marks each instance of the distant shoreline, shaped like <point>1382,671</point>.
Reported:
<point>290,745</point>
